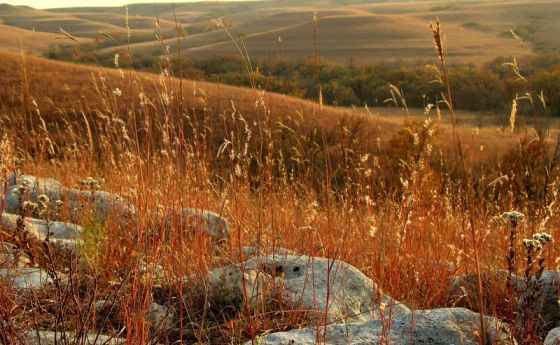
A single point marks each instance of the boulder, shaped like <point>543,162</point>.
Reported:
<point>548,305</point>
<point>11,256</point>
<point>161,317</point>
<point>104,205</point>
<point>307,283</point>
<point>26,278</point>
<point>65,235</point>
<point>553,337</point>
<point>463,290</point>
<point>75,201</point>
<point>52,338</point>
<point>196,219</point>
<point>249,252</point>
<point>226,287</point>
<point>434,327</point>
<point>35,186</point>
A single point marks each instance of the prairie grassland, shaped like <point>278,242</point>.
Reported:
<point>381,31</point>
<point>385,196</point>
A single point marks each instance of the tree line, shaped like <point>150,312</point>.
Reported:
<point>489,87</point>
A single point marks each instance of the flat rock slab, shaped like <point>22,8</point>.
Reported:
<point>103,204</point>
<point>35,187</point>
<point>463,291</point>
<point>26,278</point>
<point>195,219</point>
<point>248,251</point>
<point>231,286</point>
<point>430,327</point>
<point>52,338</point>
<point>66,235</point>
<point>553,337</point>
<point>548,303</point>
<point>311,282</point>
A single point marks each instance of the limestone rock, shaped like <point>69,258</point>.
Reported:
<point>49,338</point>
<point>350,293</point>
<point>226,286</point>
<point>104,205</point>
<point>196,219</point>
<point>463,289</point>
<point>553,337</point>
<point>75,202</point>
<point>11,256</point>
<point>26,278</point>
<point>66,235</point>
<point>548,304</point>
<point>434,327</point>
<point>35,187</point>
<point>159,316</point>
<point>249,252</point>
<point>463,292</point>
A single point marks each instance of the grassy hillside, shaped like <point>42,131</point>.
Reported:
<point>14,39</point>
<point>398,196</point>
<point>357,30</point>
<point>63,88</point>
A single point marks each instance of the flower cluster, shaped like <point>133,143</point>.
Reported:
<point>91,183</point>
<point>513,217</point>
<point>538,241</point>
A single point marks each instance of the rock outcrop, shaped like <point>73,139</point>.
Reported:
<point>66,235</point>
<point>196,220</point>
<point>433,327</point>
<point>26,278</point>
<point>231,286</point>
<point>312,282</point>
<point>463,291</point>
<point>553,337</point>
<point>52,338</point>
<point>11,256</point>
<point>75,202</point>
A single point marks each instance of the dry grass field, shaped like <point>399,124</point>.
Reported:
<point>432,219</point>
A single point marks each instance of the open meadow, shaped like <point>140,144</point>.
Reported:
<point>155,208</point>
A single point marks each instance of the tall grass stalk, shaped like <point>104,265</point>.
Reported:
<point>467,186</point>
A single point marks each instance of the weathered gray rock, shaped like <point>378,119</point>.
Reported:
<point>463,290</point>
<point>66,235</point>
<point>35,186</point>
<point>159,316</point>
<point>52,338</point>
<point>249,252</point>
<point>548,302</point>
<point>196,219</point>
<point>103,205</point>
<point>11,256</point>
<point>26,278</point>
<point>553,337</point>
<point>434,327</point>
<point>208,222</point>
<point>226,286</point>
<point>76,202</point>
<point>350,293</point>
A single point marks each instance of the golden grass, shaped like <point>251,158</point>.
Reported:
<point>381,194</point>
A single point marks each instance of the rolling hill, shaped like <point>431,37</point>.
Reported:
<point>361,31</point>
<point>64,91</point>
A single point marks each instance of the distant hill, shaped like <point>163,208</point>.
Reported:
<point>59,87</point>
<point>362,31</point>
<point>65,91</point>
